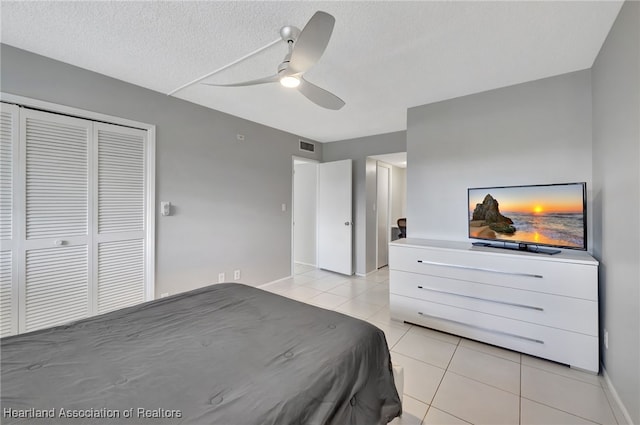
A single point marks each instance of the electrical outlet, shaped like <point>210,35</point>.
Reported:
<point>236,275</point>
<point>221,278</point>
<point>606,339</point>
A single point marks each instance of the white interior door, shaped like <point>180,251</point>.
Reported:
<point>383,215</point>
<point>335,222</point>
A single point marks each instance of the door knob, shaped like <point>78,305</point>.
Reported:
<point>346,223</point>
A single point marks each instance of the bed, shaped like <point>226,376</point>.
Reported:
<point>224,354</point>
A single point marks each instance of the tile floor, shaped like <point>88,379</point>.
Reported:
<point>453,380</point>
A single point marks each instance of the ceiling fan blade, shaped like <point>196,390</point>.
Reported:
<point>320,96</point>
<point>271,79</point>
<point>311,42</point>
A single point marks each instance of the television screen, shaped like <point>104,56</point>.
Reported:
<point>548,215</point>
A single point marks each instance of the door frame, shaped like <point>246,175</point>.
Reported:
<point>150,176</point>
<point>295,158</point>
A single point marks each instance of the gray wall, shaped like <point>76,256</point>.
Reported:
<point>532,133</point>
<point>227,194</point>
<point>364,188</point>
<point>616,187</point>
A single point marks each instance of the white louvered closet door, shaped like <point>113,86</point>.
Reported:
<point>120,216</point>
<point>54,255</point>
<point>73,218</point>
<point>8,276</point>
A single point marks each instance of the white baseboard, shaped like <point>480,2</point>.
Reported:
<point>274,281</point>
<point>616,398</point>
<point>366,274</point>
<point>305,264</point>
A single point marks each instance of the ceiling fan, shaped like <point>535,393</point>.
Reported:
<point>305,49</point>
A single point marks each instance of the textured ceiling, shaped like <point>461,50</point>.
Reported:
<point>384,56</point>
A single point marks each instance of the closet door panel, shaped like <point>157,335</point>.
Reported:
<point>55,276</point>
<point>121,183</point>
<point>120,274</point>
<point>57,289</point>
<point>9,126</point>
<point>56,177</point>
<point>120,216</point>
<point>7,300</point>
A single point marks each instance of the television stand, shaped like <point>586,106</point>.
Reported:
<point>519,247</point>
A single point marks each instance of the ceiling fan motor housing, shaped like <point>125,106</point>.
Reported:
<point>289,33</point>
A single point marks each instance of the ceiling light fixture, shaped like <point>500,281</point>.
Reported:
<point>290,81</point>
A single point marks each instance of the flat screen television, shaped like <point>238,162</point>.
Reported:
<point>529,217</point>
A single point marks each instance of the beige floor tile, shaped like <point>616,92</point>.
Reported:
<point>299,268</point>
<point>533,413</point>
<point>431,333</point>
<point>392,332</point>
<point>317,273</point>
<point>359,308</point>
<point>438,417</point>
<point>323,284</point>
<point>300,293</point>
<point>374,297</point>
<point>476,402</point>
<point>569,395</point>
<point>412,412</point>
<point>349,289</point>
<point>327,300</point>
<point>486,368</point>
<point>280,286</point>
<point>561,369</point>
<point>514,356</point>
<point>302,279</point>
<point>425,349</point>
<point>421,380</point>
<point>384,316</point>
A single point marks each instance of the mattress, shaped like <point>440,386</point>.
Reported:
<point>224,354</point>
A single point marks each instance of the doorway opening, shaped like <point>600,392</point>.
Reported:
<point>304,214</point>
<point>390,203</point>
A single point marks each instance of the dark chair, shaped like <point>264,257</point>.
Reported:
<point>402,226</point>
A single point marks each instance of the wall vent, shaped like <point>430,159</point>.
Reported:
<point>307,146</point>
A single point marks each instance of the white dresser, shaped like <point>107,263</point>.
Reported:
<point>543,305</point>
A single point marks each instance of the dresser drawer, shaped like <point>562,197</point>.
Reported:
<point>563,346</point>
<point>552,277</point>
<point>574,314</point>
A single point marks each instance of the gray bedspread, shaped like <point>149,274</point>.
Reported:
<point>226,354</point>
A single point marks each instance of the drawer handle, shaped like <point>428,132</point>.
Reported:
<point>457,266</point>
<point>537,341</point>
<point>482,299</point>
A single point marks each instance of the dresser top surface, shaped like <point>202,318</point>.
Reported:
<point>568,256</point>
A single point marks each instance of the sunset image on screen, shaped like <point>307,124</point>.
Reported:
<point>546,215</point>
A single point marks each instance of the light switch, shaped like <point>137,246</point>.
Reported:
<point>165,208</point>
